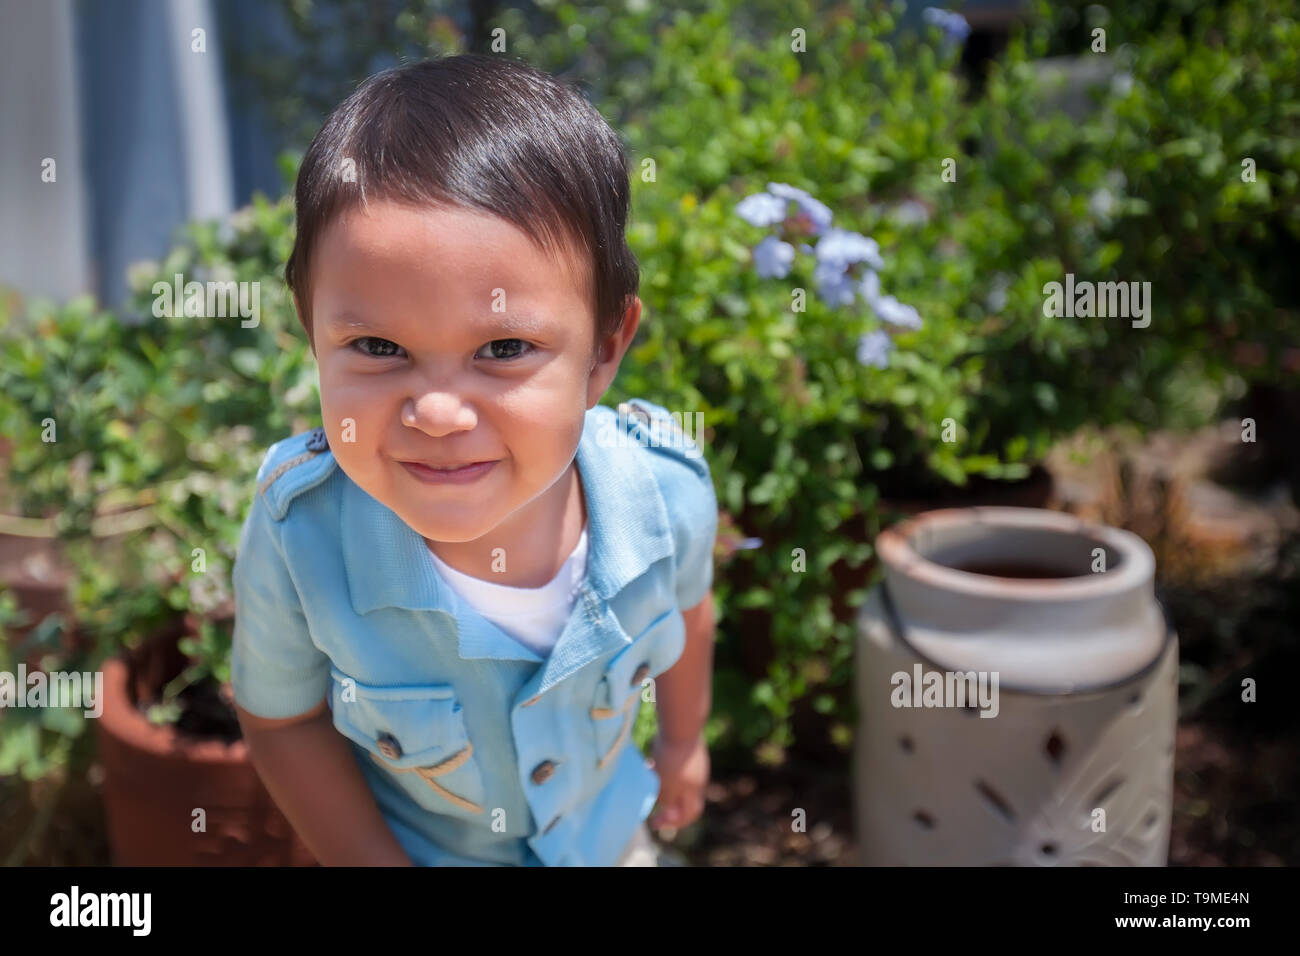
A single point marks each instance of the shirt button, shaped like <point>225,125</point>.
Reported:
<point>641,673</point>
<point>542,772</point>
<point>389,747</point>
<point>318,441</point>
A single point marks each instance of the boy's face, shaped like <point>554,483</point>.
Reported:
<point>412,350</point>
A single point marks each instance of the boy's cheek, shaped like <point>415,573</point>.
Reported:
<point>354,416</point>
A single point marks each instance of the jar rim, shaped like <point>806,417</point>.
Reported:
<point>901,548</point>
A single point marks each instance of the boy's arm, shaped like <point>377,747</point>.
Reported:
<point>277,670</point>
<point>310,772</point>
<point>683,693</point>
<point>682,697</point>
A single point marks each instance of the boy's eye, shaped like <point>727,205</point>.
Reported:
<point>505,349</point>
<point>376,348</point>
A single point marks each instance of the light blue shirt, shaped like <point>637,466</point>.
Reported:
<point>477,750</point>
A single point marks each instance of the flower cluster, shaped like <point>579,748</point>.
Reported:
<point>847,262</point>
<point>953,24</point>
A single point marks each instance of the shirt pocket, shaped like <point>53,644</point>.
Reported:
<point>417,734</point>
<point>619,693</point>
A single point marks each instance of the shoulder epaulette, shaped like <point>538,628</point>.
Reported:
<point>293,466</point>
<point>656,428</point>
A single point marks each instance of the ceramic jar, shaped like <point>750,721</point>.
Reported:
<point>1017,685</point>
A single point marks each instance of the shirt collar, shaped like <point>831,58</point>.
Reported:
<point>387,562</point>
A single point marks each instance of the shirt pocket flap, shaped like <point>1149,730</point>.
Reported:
<point>652,652</point>
<point>406,727</point>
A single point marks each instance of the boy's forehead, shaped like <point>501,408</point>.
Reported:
<point>388,247</point>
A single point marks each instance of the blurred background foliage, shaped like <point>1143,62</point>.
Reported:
<point>162,421</point>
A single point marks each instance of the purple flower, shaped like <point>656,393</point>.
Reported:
<point>844,248</point>
<point>837,252</point>
<point>761,209</point>
<point>870,286</point>
<point>890,310</point>
<point>846,263</point>
<point>952,23</point>
<point>887,308</point>
<point>911,213</point>
<point>818,213</point>
<point>874,348</point>
<point>773,258</point>
<point>834,284</point>
<point>773,207</point>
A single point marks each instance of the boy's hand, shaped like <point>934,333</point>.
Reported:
<point>683,768</point>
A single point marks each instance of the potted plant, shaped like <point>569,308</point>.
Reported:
<point>179,787</point>
<point>170,741</point>
<point>160,421</point>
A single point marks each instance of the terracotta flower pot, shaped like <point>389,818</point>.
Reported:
<point>157,778</point>
<point>33,570</point>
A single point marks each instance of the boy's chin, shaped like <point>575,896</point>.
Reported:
<point>450,529</point>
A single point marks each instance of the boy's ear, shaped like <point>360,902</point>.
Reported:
<point>609,353</point>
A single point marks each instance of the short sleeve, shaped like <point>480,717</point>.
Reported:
<point>687,489</point>
<point>276,670</point>
<point>698,519</point>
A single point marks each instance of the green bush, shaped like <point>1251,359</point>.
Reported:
<point>158,425</point>
<point>35,741</point>
<point>807,444</point>
<point>804,440</point>
<point>1213,85</point>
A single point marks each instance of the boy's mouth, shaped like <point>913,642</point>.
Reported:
<point>449,474</point>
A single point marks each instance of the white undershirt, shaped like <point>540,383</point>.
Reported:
<point>534,617</point>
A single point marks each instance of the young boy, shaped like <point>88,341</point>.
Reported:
<point>453,598</point>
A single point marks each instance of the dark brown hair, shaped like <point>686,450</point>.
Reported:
<point>479,132</point>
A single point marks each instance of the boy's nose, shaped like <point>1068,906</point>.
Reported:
<point>438,413</point>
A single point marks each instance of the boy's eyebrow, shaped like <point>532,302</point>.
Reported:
<point>514,323</point>
<point>349,320</point>
<point>520,323</point>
